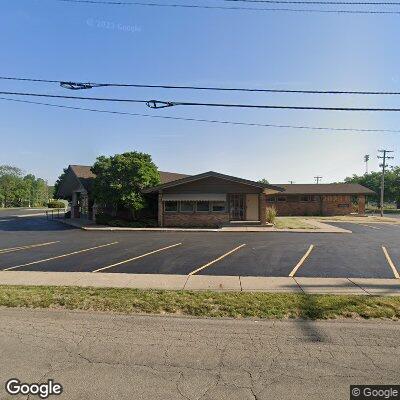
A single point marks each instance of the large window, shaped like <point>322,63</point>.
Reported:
<point>271,199</point>
<point>281,199</point>
<point>171,206</point>
<point>219,206</point>
<point>187,206</point>
<point>203,206</point>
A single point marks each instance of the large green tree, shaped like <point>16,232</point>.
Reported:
<point>373,181</point>
<point>17,190</point>
<point>121,178</point>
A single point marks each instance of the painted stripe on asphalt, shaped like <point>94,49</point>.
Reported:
<point>61,256</point>
<point>31,246</point>
<point>372,227</point>
<point>216,260</point>
<point>300,263</point>
<point>390,262</point>
<point>136,258</point>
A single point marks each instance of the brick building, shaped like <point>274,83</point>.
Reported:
<point>212,199</point>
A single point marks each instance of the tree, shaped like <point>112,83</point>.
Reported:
<point>373,182</point>
<point>121,178</point>
<point>58,182</point>
<point>9,185</point>
<point>264,181</point>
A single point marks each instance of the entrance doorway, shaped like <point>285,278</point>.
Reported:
<point>237,207</point>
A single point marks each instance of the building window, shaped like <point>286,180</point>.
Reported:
<point>171,206</point>
<point>219,206</point>
<point>203,206</point>
<point>187,206</point>
<point>305,198</point>
<point>281,199</point>
<point>271,199</point>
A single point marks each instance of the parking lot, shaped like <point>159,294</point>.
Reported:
<point>34,244</point>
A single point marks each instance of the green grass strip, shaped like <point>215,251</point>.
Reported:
<point>202,304</point>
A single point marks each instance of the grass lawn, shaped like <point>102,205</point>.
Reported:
<point>292,223</point>
<point>360,220</point>
<point>204,304</point>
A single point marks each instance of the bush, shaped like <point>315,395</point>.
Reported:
<point>105,219</point>
<point>271,214</point>
<point>56,204</point>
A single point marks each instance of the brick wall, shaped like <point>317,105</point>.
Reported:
<point>206,220</point>
<point>323,205</point>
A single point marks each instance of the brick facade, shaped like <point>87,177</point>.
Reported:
<point>195,220</point>
<point>318,205</point>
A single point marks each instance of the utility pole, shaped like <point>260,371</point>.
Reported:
<point>383,165</point>
<point>366,159</point>
<point>317,178</point>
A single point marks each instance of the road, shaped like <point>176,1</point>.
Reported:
<point>105,357</point>
<point>53,246</point>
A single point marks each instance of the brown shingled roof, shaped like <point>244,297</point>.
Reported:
<point>325,188</point>
<point>166,177</point>
<point>86,176</point>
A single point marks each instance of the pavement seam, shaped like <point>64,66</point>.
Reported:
<point>356,284</point>
<point>298,284</point>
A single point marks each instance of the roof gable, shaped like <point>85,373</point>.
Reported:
<point>193,178</point>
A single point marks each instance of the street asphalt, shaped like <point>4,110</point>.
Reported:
<point>115,357</point>
<point>356,255</point>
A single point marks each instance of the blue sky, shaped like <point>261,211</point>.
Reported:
<point>55,40</point>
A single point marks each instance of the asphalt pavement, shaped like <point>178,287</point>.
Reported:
<point>116,357</point>
<point>46,245</point>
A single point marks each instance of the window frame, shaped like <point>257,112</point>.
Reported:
<point>203,201</point>
<point>171,201</point>
<point>187,201</point>
<point>219,211</point>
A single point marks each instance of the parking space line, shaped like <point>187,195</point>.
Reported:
<point>136,258</point>
<point>390,262</point>
<point>370,226</point>
<point>31,246</point>
<point>216,260</point>
<point>300,263</point>
<point>61,256</point>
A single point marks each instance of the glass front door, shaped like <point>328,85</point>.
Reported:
<point>236,207</point>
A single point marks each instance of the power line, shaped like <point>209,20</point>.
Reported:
<point>163,104</point>
<point>89,85</point>
<point>302,127</point>
<point>242,8</point>
<point>328,3</point>
<point>317,179</point>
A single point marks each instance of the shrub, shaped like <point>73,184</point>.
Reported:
<point>105,219</point>
<point>271,214</point>
<point>56,204</point>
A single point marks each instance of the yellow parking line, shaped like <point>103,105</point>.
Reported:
<point>61,256</point>
<point>31,246</point>
<point>136,258</point>
<point>390,262</point>
<point>216,260</point>
<point>300,263</point>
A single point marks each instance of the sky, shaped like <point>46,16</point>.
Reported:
<point>50,39</point>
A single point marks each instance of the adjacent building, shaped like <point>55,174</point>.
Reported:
<point>212,199</point>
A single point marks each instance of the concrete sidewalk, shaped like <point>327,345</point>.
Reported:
<point>318,227</point>
<point>357,286</point>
